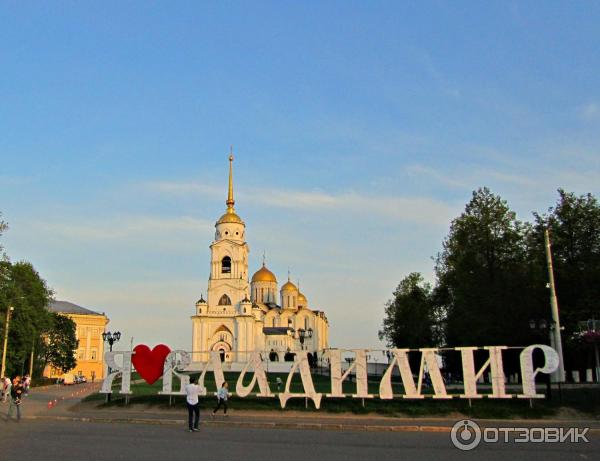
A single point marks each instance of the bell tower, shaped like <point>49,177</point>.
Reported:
<point>228,281</point>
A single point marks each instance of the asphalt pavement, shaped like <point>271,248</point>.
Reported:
<point>57,425</point>
<point>59,440</point>
<point>64,403</point>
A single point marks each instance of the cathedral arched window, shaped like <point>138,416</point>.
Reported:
<point>224,301</point>
<point>226,265</point>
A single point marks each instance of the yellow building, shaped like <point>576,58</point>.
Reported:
<point>90,326</point>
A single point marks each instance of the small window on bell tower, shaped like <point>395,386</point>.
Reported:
<point>226,265</point>
<point>224,301</point>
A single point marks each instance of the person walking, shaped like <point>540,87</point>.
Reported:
<point>192,390</point>
<point>26,385</point>
<point>222,395</point>
<point>15,397</point>
<point>6,386</point>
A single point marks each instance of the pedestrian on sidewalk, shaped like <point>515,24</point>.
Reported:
<point>26,384</point>
<point>15,397</point>
<point>192,390</point>
<point>6,386</point>
<point>222,395</point>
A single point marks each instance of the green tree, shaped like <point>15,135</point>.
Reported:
<point>22,288</point>
<point>410,317</point>
<point>60,344</point>
<point>29,295</point>
<point>483,284</point>
<point>574,227</point>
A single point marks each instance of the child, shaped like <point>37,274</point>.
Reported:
<point>222,395</point>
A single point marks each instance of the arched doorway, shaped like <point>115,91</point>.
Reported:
<point>273,357</point>
<point>224,350</point>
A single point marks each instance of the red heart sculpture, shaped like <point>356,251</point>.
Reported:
<point>149,363</point>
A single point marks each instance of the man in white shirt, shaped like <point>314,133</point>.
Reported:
<point>192,390</point>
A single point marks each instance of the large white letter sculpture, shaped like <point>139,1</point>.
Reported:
<point>301,362</point>
<point>177,363</point>
<point>171,367</point>
<point>214,361</point>
<point>259,375</point>
<point>528,374</point>
<point>359,365</point>
<point>494,362</point>
<point>428,362</point>
<point>116,370</point>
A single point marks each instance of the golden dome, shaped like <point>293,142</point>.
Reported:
<point>264,275</point>
<point>302,301</point>
<point>289,286</point>
<point>230,217</point>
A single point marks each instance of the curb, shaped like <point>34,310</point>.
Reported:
<point>260,425</point>
<point>248,424</point>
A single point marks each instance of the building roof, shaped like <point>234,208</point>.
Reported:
<point>65,307</point>
<point>271,331</point>
<point>289,286</point>
<point>264,275</point>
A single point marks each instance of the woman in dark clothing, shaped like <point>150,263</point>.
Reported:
<point>15,397</point>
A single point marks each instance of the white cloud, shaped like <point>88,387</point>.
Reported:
<point>15,180</point>
<point>184,188</point>
<point>117,228</point>
<point>438,176</point>
<point>589,111</point>
<point>422,210</point>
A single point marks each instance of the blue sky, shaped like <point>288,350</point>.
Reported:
<point>359,129</point>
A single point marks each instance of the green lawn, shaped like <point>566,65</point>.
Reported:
<point>583,400</point>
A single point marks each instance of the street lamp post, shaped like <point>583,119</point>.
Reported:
<point>6,325</point>
<point>556,333</point>
<point>301,335</point>
<point>110,338</point>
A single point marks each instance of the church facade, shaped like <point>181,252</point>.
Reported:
<point>243,314</point>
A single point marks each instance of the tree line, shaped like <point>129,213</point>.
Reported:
<point>36,335</point>
<point>491,281</point>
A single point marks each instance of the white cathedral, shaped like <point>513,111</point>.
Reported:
<point>239,316</point>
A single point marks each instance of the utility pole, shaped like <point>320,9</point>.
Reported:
<point>559,375</point>
<point>9,309</point>
<point>31,359</point>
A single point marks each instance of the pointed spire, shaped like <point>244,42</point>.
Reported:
<point>289,275</point>
<point>264,256</point>
<point>230,201</point>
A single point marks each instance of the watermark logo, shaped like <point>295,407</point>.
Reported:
<point>467,435</point>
